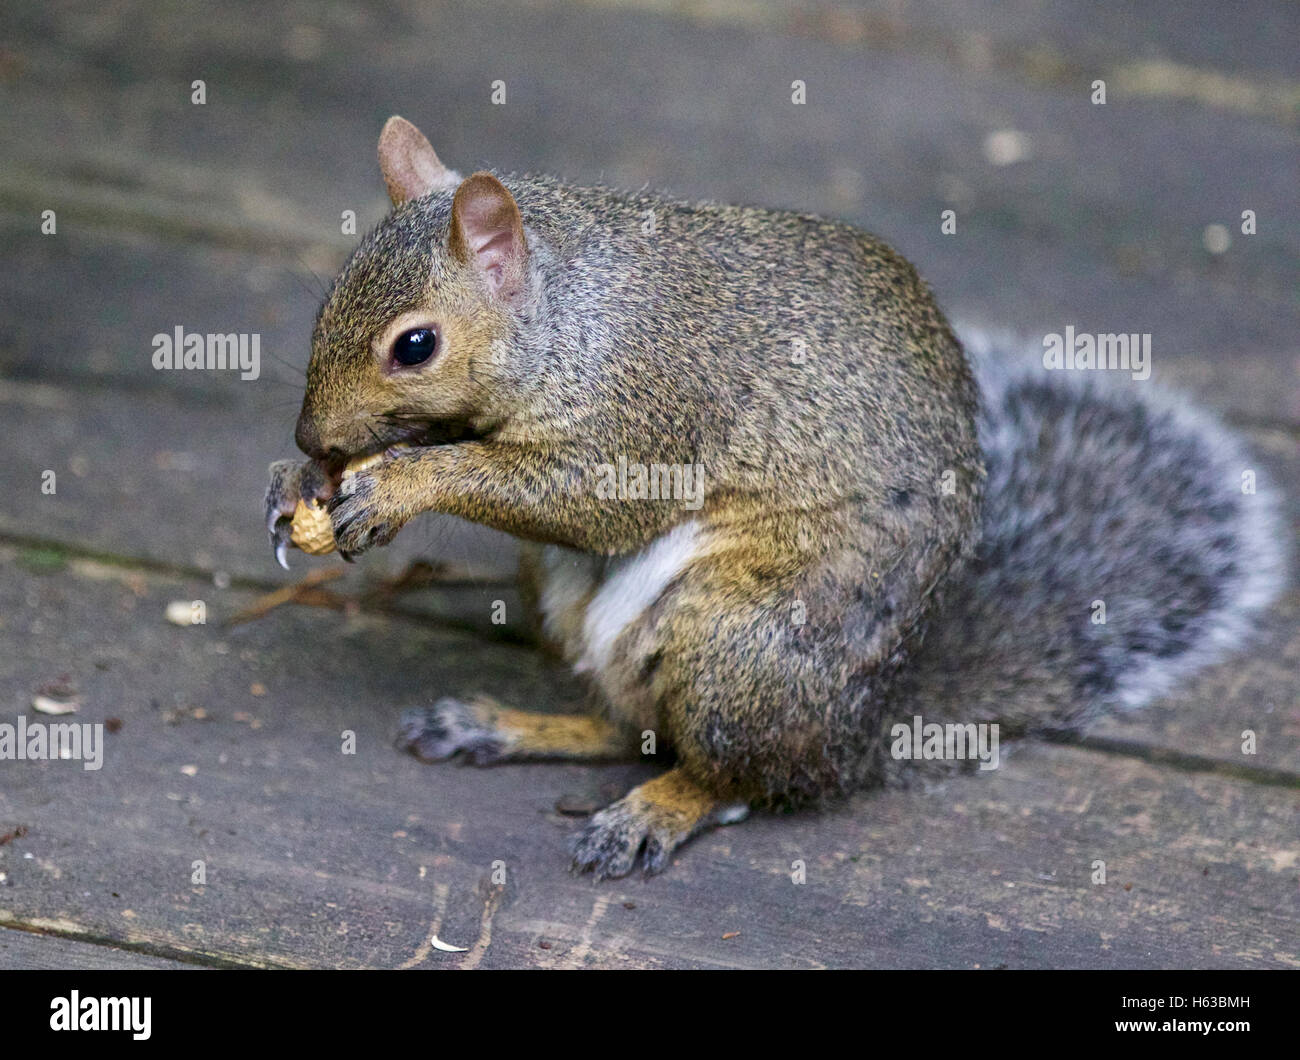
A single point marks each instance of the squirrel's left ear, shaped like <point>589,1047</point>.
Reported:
<point>409,163</point>
<point>487,233</point>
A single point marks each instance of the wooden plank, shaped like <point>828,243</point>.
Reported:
<point>316,858</point>
<point>1040,43</point>
<point>30,950</point>
<point>123,305</point>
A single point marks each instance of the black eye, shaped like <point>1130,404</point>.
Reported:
<point>415,346</point>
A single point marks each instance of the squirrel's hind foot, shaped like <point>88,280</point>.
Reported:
<point>649,823</point>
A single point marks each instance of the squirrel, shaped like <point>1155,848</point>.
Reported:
<point>872,534</point>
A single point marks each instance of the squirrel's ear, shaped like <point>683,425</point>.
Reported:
<point>409,163</point>
<point>488,233</point>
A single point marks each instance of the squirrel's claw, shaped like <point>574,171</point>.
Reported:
<point>281,529</point>
<point>281,498</point>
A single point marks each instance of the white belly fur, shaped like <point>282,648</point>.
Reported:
<point>628,586</point>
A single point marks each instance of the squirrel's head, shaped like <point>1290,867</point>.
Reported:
<point>403,348</point>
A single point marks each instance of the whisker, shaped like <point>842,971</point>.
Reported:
<point>288,364</point>
<point>314,295</point>
<point>323,290</point>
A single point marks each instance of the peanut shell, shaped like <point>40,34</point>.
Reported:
<point>311,531</point>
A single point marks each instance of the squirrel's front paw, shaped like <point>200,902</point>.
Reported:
<point>359,514</point>
<point>451,727</point>
<point>291,482</point>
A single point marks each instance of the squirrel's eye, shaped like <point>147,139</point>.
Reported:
<point>415,346</point>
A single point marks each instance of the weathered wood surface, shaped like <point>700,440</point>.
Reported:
<point>30,949</point>
<point>215,217</point>
<point>316,857</point>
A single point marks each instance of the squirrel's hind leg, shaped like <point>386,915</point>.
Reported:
<point>483,731</point>
<point>652,820</point>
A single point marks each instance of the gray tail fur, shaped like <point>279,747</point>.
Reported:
<point>1101,494</point>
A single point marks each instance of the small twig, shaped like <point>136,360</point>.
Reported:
<point>419,574</point>
<point>305,591</point>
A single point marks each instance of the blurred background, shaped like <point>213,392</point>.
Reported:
<point>128,209</point>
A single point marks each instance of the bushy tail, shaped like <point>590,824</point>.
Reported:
<point>1122,549</point>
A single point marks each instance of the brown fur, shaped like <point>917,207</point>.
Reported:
<point>529,736</point>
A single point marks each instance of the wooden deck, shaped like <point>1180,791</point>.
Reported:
<point>224,217</point>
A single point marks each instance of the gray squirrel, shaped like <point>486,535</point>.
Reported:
<point>829,527</point>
